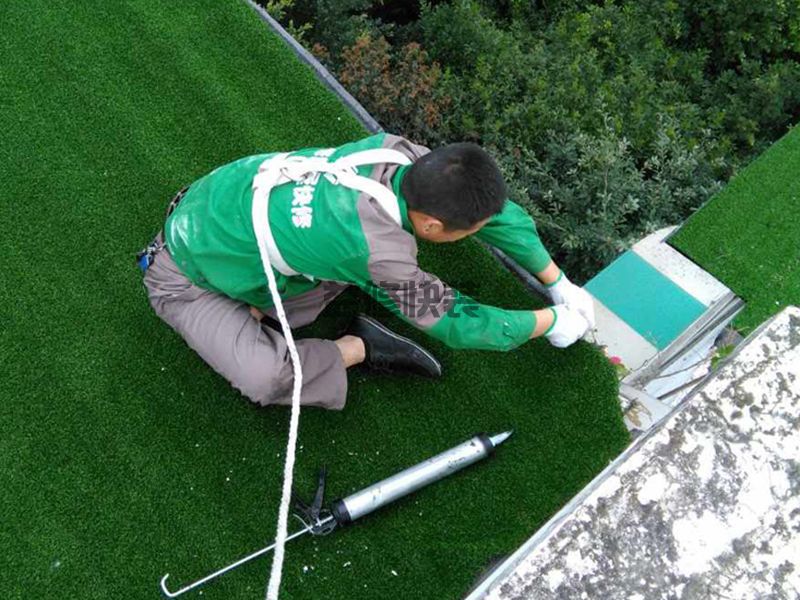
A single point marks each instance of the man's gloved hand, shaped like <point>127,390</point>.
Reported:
<point>568,326</point>
<point>563,291</point>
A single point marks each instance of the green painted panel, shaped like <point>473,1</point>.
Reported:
<point>652,304</point>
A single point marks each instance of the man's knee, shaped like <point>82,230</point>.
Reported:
<point>274,387</point>
<point>265,385</point>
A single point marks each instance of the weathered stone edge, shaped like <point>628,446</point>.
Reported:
<point>507,567</point>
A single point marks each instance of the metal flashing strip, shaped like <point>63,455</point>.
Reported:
<point>358,111</point>
<point>716,317</point>
<point>529,280</point>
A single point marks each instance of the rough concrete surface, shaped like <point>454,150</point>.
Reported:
<point>707,506</point>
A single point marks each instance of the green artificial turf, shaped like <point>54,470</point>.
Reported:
<point>748,235</point>
<point>123,455</point>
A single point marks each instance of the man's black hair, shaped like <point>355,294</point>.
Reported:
<point>459,184</point>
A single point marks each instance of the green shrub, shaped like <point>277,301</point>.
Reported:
<point>733,31</point>
<point>610,118</point>
<point>756,103</point>
<point>592,200</point>
<point>462,35</point>
<point>279,9</point>
<point>333,24</point>
<point>400,89</point>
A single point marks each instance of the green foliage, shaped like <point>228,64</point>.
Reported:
<point>756,102</point>
<point>450,25</point>
<point>720,354</point>
<point>278,9</point>
<point>737,30</point>
<point>609,118</point>
<point>592,200</point>
<point>335,24</point>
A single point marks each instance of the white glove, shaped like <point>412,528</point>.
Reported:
<point>566,292</point>
<point>568,327</point>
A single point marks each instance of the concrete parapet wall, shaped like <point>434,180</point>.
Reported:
<point>706,506</point>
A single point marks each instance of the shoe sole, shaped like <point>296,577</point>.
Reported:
<point>392,334</point>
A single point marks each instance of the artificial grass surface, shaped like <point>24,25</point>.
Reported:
<point>123,455</point>
<point>748,235</point>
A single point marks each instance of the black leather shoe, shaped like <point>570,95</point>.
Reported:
<point>388,352</point>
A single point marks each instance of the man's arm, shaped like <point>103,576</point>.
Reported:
<point>389,272</point>
<point>513,231</point>
<point>426,302</point>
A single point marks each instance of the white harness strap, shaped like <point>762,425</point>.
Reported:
<point>263,182</point>
<point>283,168</point>
<point>371,157</point>
<point>381,193</point>
<point>279,169</point>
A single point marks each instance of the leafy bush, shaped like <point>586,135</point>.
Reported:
<point>592,200</point>
<point>610,119</point>
<point>400,89</point>
<point>278,10</point>
<point>733,31</point>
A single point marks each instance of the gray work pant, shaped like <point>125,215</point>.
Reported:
<point>254,359</point>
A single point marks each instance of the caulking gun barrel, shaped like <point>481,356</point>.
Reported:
<point>390,489</point>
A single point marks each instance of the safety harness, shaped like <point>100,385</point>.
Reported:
<point>284,167</point>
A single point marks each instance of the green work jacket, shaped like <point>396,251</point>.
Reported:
<point>330,232</point>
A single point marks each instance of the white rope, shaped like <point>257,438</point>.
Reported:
<point>294,423</point>
<point>262,186</point>
<point>288,468</point>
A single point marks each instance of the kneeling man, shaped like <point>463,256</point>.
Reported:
<point>335,217</point>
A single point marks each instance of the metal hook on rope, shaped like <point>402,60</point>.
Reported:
<point>316,521</point>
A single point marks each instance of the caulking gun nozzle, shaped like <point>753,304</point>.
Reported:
<point>499,438</point>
